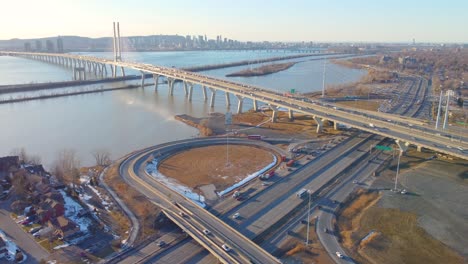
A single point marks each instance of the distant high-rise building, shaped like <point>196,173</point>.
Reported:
<point>59,45</point>
<point>49,45</point>
<point>27,46</point>
<point>38,45</point>
<point>206,39</point>
<point>201,42</point>
<point>414,41</point>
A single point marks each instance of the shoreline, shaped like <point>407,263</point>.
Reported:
<point>40,97</point>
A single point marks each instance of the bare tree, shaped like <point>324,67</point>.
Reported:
<point>66,167</point>
<point>24,157</point>
<point>102,157</point>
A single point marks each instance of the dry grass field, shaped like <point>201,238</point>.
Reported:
<point>208,165</point>
<point>398,237</point>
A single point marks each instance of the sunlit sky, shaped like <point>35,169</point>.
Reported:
<point>256,20</point>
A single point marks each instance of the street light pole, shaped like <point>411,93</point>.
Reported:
<point>308,219</point>
<point>438,111</point>
<point>397,170</point>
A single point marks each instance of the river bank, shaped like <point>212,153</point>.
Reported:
<point>47,96</point>
<point>248,62</point>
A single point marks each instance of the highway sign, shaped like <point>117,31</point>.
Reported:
<point>384,148</point>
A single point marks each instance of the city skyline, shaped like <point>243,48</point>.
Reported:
<point>299,20</point>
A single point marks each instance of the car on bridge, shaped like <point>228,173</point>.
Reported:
<point>226,248</point>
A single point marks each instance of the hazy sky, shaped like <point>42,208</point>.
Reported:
<point>282,20</point>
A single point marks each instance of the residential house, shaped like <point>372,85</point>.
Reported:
<point>3,248</point>
<point>36,169</point>
<point>50,209</point>
<point>63,227</point>
<point>8,164</point>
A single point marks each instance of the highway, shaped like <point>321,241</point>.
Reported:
<point>263,210</point>
<point>383,124</point>
<point>195,219</point>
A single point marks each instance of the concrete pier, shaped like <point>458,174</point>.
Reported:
<point>142,79</point>
<point>205,97</point>
<point>274,113</point>
<point>239,104</point>
<point>319,122</point>
<point>213,95</point>
<point>170,83</point>
<point>291,114</point>
<point>190,91</point>
<point>156,80</point>
<point>228,99</point>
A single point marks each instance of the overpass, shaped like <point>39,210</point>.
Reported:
<point>404,131</point>
<point>190,217</point>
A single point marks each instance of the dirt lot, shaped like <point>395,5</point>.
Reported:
<point>209,165</point>
<point>426,225</point>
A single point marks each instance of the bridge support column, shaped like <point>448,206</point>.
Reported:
<point>190,92</point>
<point>122,71</point>
<point>104,70</point>
<point>213,94</point>
<point>95,69</point>
<point>402,145</point>
<point>228,99</point>
<point>336,126</point>
<point>274,113</point>
<point>239,104</point>
<point>142,79</point>
<point>291,114</point>
<point>185,89</point>
<point>205,97</point>
<point>319,122</point>
<point>255,105</point>
<point>156,80</point>
<point>170,82</point>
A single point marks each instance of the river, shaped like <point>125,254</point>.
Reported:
<point>126,120</point>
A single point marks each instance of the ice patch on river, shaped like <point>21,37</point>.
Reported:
<point>152,169</point>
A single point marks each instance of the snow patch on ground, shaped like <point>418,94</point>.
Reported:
<point>84,179</point>
<point>71,210</point>
<point>101,197</point>
<point>11,248</point>
<point>62,246</point>
<point>151,168</point>
<point>248,178</point>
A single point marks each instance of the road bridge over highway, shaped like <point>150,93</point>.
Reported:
<point>404,131</point>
